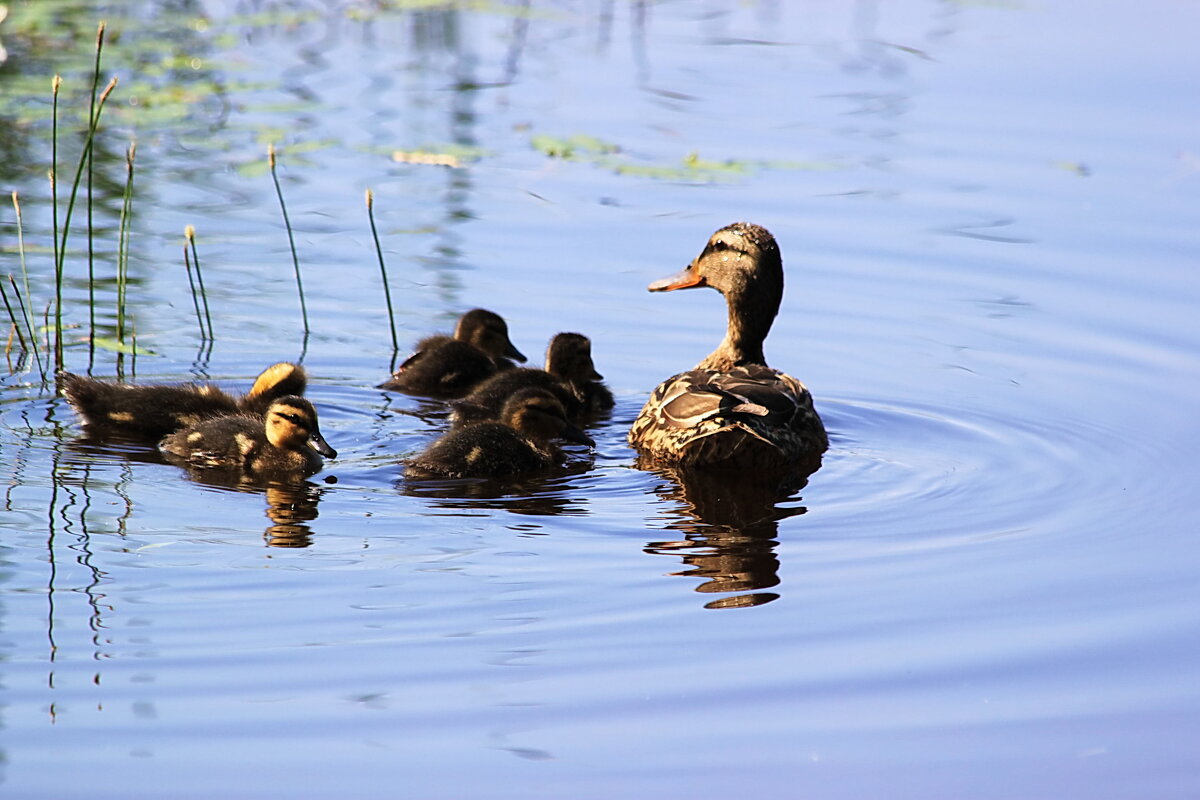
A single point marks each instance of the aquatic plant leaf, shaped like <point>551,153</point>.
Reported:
<point>107,343</point>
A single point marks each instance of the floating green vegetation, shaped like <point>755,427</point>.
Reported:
<point>692,167</point>
<point>1075,168</point>
<point>118,346</point>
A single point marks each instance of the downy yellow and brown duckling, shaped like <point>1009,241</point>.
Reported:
<point>518,444</point>
<point>733,410</point>
<point>151,411</point>
<point>569,374</point>
<point>446,367</point>
<point>286,441</point>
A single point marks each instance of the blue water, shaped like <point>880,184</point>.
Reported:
<point>988,214</point>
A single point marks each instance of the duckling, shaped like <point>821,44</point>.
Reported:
<point>152,411</point>
<point>286,441</point>
<point>569,356</point>
<point>569,375</point>
<point>519,443</point>
<point>446,367</point>
<point>733,410</point>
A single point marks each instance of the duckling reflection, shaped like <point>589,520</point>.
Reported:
<point>539,496</point>
<point>291,505</point>
<point>290,508</point>
<point>730,527</point>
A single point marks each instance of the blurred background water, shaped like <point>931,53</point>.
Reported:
<point>988,214</point>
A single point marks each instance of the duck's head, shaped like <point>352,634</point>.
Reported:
<point>738,257</point>
<point>742,262</point>
<point>280,380</point>
<point>291,424</point>
<point>538,414</point>
<point>489,332</point>
<point>569,357</point>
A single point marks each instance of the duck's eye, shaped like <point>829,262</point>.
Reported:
<point>295,419</point>
<point>719,244</point>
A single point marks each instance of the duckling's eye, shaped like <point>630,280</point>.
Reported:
<point>719,244</point>
<point>292,418</point>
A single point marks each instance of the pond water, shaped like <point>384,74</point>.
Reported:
<point>989,218</point>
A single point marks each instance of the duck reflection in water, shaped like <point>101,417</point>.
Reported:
<point>730,524</point>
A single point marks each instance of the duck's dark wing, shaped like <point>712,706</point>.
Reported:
<point>699,395</point>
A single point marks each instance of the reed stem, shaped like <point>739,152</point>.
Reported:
<point>66,228</point>
<point>55,85</point>
<point>291,239</point>
<point>190,233</point>
<point>123,241</point>
<point>27,315</point>
<point>13,316</point>
<point>91,158</point>
<point>187,263</point>
<point>26,308</point>
<point>387,292</point>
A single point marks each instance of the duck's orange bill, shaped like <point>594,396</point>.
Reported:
<point>688,278</point>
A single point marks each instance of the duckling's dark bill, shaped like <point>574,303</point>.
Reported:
<point>573,434</point>
<point>512,352</point>
<point>318,443</point>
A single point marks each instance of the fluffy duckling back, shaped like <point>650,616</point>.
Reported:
<point>151,411</point>
<point>446,367</point>
<point>569,375</point>
<point>286,441</point>
<point>516,445</point>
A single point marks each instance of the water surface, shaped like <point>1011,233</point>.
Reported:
<point>988,215</point>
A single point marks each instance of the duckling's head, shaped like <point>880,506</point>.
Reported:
<point>569,357</point>
<point>740,261</point>
<point>291,424</point>
<point>280,380</point>
<point>489,332</point>
<point>537,414</point>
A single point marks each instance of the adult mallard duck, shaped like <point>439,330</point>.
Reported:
<point>446,367</point>
<point>569,375</point>
<point>518,444</point>
<point>733,410</point>
<point>151,411</point>
<point>286,441</point>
